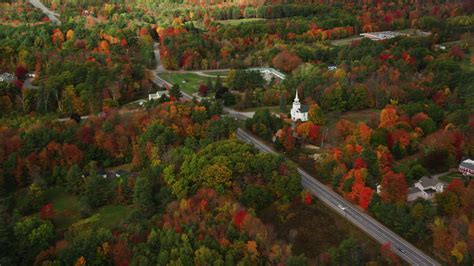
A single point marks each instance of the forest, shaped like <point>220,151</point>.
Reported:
<point>93,172</point>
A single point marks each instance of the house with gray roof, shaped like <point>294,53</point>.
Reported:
<point>466,167</point>
<point>425,188</point>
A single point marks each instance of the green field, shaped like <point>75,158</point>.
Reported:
<point>67,211</point>
<point>188,82</point>
<point>239,21</point>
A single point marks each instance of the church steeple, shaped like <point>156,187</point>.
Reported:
<point>296,97</point>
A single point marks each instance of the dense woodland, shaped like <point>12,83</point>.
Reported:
<point>192,193</point>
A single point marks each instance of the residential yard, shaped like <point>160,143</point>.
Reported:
<point>450,177</point>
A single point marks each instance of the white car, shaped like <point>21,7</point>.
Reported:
<point>341,207</point>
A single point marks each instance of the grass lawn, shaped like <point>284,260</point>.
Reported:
<point>67,211</point>
<point>188,82</point>
<point>450,177</point>
<point>238,21</point>
<point>222,74</point>
<point>111,216</point>
<point>67,207</point>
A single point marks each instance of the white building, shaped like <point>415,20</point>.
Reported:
<point>299,111</point>
<point>425,188</point>
<point>382,35</point>
<point>466,167</point>
<point>157,95</point>
<point>7,77</point>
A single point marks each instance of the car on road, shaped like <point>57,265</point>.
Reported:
<point>402,250</point>
<point>341,207</point>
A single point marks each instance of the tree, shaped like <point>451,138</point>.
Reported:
<point>286,61</point>
<point>32,236</point>
<point>308,131</point>
<point>96,188</point>
<point>347,253</point>
<point>209,85</point>
<point>203,89</point>
<point>143,193</point>
<point>283,102</point>
<point>316,115</point>
<point>74,180</point>
<point>394,188</point>
<point>175,92</point>
<point>388,117</point>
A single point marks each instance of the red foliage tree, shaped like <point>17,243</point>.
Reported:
<point>47,211</point>
<point>203,89</point>
<point>286,61</point>
<point>394,187</point>
<point>239,218</point>
<point>20,72</point>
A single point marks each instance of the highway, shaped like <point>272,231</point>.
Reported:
<point>51,15</point>
<point>379,232</point>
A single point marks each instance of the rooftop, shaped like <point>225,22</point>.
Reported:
<point>468,163</point>
<point>413,190</point>
<point>428,182</point>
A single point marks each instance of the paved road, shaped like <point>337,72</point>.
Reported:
<point>51,15</point>
<point>359,218</point>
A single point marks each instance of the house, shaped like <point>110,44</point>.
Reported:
<point>425,188</point>
<point>466,167</point>
<point>299,111</point>
<point>7,77</point>
<point>157,95</point>
<point>332,67</point>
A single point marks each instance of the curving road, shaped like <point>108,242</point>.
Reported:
<point>359,218</point>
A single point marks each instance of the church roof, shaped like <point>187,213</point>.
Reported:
<point>304,108</point>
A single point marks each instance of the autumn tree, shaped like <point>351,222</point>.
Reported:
<point>286,61</point>
<point>316,115</point>
<point>394,187</point>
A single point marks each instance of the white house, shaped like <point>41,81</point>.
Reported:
<point>299,111</point>
<point>7,77</point>
<point>466,167</point>
<point>425,188</point>
<point>157,95</point>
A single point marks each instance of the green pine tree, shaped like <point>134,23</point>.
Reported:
<point>283,102</point>
<point>175,92</point>
<point>143,193</point>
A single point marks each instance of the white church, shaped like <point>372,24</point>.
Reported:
<point>299,111</point>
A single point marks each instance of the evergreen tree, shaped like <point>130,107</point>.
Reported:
<point>175,92</point>
<point>143,193</point>
<point>373,171</point>
<point>96,188</point>
<point>283,102</point>
<point>210,88</point>
<point>218,85</point>
<point>74,179</point>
